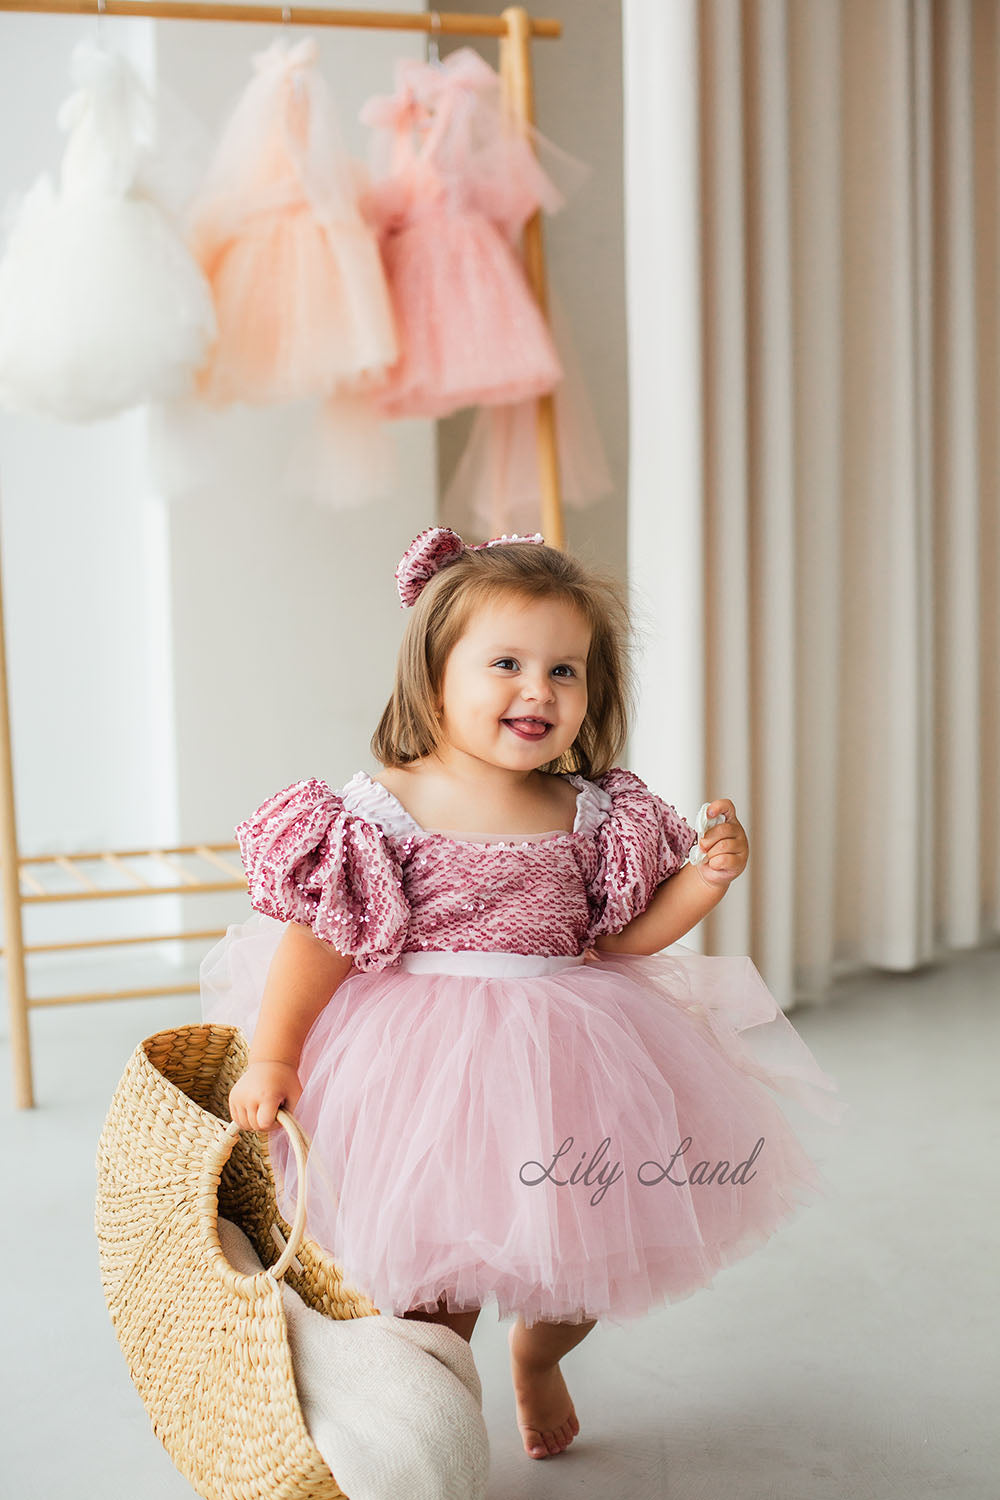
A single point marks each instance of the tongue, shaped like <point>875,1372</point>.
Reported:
<point>528,726</point>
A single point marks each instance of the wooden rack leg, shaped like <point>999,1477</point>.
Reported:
<point>515,66</point>
<point>13,945</point>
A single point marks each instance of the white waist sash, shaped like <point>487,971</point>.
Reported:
<point>485,962</point>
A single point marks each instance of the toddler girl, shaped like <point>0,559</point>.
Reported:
<point>464,978</point>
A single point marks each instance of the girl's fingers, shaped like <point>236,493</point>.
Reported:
<point>721,846</point>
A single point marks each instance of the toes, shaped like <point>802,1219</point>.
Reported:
<point>545,1444</point>
<point>558,1440</point>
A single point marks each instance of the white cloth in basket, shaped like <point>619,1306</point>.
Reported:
<point>394,1405</point>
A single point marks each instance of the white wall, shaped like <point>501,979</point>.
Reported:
<point>664,376</point>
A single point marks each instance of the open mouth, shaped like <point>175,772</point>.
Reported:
<point>528,728</point>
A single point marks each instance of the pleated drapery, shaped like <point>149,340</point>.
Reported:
<point>814,538</point>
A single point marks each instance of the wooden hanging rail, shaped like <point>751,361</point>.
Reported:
<point>447,23</point>
<point>21,886</point>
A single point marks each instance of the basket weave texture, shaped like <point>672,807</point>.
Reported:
<point>206,1346</point>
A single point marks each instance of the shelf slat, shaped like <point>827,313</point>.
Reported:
<point>34,892</point>
<point>98,995</point>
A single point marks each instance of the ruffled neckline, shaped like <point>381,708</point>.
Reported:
<point>374,802</point>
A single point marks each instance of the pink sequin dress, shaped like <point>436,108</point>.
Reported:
<point>496,1109</point>
<point>452,188</point>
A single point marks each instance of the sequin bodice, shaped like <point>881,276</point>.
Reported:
<point>357,868</point>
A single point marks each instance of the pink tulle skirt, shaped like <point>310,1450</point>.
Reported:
<point>573,1138</point>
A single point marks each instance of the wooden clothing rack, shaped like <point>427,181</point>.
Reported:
<point>168,871</point>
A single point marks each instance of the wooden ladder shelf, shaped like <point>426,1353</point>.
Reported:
<point>125,865</point>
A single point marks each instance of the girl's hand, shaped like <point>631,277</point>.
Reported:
<point>728,845</point>
<point>255,1097</point>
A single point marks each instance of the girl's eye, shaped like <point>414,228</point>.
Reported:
<point>504,660</point>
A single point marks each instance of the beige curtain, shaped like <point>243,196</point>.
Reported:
<point>811,191</point>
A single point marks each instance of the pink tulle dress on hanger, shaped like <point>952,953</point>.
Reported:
<point>452,182</point>
<point>300,295</point>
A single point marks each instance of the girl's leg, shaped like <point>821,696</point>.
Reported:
<point>461,1322</point>
<point>546,1416</point>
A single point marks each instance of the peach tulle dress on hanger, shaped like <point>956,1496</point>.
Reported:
<point>300,294</point>
<point>102,306</point>
<point>452,182</point>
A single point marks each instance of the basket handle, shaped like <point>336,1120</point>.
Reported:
<point>300,1146</point>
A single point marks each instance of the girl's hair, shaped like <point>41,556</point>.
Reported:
<point>409,729</point>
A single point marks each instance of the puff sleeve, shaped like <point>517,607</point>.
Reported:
<point>641,842</point>
<point>308,859</point>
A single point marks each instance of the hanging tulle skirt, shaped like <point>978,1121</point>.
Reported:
<point>573,1138</point>
<point>496,485</point>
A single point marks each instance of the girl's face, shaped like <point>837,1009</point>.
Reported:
<point>519,660</point>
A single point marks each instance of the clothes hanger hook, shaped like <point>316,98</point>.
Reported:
<point>433,55</point>
<point>101,22</point>
<point>286,15</point>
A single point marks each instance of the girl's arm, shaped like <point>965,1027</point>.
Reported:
<point>677,905</point>
<point>304,973</point>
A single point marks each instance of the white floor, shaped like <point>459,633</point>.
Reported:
<point>854,1356</point>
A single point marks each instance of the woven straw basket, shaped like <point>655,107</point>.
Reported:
<point>206,1346</point>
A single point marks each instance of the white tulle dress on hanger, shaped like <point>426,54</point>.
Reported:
<point>102,306</point>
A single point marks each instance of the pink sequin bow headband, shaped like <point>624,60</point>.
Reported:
<point>433,549</point>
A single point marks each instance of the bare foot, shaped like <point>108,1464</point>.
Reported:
<point>546,1417</point>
